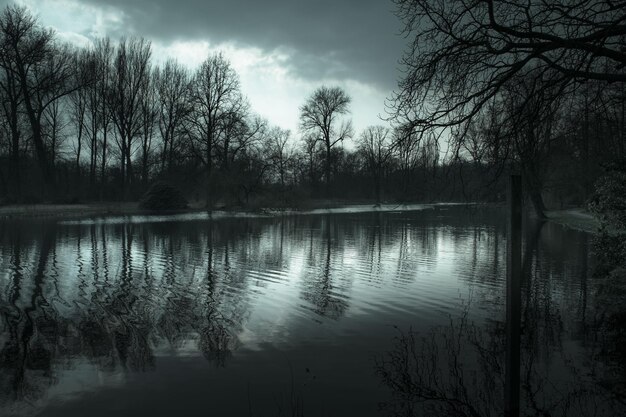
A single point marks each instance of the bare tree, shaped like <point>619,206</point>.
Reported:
<point>215,96</point>
<point>131,72</point>
<point>78,102</point>
<point>149,114</point>
<point>319,116</point>
<point>519,129</point>
<point>247,133</point>
<point>44,70</point>
<point>11,104</point>
<point>172,81</point>
<point>278,152</point>
<point>54,124</point>
<point>310,151</point>
<point>376,146</point>
<point>100,98</point>
<point>463,53</point>
<point>533,109</point>
<point>407,149</point>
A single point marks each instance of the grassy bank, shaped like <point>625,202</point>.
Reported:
<point>577,218</point>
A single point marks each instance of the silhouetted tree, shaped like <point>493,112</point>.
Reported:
<point>173,88</point>
<point>130,75</point>
<point>149,115</point>
<point>215,97</point>
<point>11,103</point>
<point>462,54</point>
<point>78,103</point>
<point>319,116</point>
<point>376,145</point>
<point>99,102</point>
<point>464,59</point>
<point>520,129</point>
<point>279,152</point>
<point>44,70</point>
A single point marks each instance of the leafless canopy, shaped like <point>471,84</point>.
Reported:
<point>463,52</point>
<point>319,117</point>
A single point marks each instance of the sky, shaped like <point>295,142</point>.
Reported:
<point>282,49</point>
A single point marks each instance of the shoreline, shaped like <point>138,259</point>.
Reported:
<point>577,218</point>
<point>66,211</point>
<point>105,210</point>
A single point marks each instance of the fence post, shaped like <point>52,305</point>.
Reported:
<point>513,298</point>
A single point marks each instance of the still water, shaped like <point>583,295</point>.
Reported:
<point>352,314</point>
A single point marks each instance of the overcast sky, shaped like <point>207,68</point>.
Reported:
<point>282,49</point>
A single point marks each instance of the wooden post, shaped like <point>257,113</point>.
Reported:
<point>513,298</point>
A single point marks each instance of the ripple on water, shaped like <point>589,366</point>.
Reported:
<point>129,293</point>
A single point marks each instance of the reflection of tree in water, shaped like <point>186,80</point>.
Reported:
<point>319,288</point>
<point>122,296</point>
<point>215,338</point>
<point>130,323</point>
<point>458,369</point>
<point>26,356</point>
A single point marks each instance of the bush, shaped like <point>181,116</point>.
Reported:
<point>163,196</point>
<point>609,206</point>
<point>609,202</point>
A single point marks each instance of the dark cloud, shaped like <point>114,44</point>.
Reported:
<point>346,39</point>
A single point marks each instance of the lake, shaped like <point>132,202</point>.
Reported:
<point>362,314</point>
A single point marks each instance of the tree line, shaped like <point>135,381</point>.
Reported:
<point>103,122</point>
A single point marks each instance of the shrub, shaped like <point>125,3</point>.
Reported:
<point>609,206</point>
<point>163,196</point>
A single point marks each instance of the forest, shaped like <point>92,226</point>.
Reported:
<point>104,122</point>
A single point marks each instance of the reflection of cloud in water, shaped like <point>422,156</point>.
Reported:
<point>71,383</point>
<point>117,299</point>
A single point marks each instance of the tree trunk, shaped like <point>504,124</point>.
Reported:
<point>123,168</point>
<point>164,155</point>
<point>15,176</point>
<point>209,151</point>
<point>35,123</point>
<point>80,144</point>
<point>538,204</point>
<point>378,186</point>
<point>40,149</point>
<point>103,166</point>
<point>585,151</point>
<point>93,159</point>
<point>3,185</point>
<point>129,164</point>
<point>144,164</point>
<point>170,160</point>
<point>327,171</point>
<point>533,187</point>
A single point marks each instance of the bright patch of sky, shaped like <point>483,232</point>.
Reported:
<point>277,74</point>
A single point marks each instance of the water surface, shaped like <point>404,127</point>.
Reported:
<point>303,313</point>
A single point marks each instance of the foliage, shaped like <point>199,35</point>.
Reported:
<point>609,203</point>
